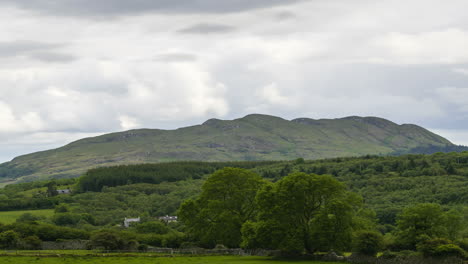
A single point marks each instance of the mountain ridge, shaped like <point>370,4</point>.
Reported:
<point>252,137</point>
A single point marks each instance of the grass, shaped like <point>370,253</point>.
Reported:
<point>9,217</point>
<point>152,260</point>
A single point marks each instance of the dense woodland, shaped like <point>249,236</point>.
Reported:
<point>354,201</point>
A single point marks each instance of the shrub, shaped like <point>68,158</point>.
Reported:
<point>441,247</point>
<point>463,243</point>
<point>156,227</point>
<point>31,242</point>
<point>61,208</point>
<point>449,250</point>
<point>142,247</point>
<point>9,239</point>
<point>368,243</point>
<point>107,240</point>
<point>27,217</point>
<point>64,219</point>
<point>428,247</point>
<point>152,240</point>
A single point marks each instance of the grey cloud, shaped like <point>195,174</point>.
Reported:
<point>207,29</point>
<point>124,7</point>
<point>52,57</point>
<point>22,47</point>
<point>285,15</point>
<point>175,57</point>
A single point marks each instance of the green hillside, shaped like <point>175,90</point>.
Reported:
<point>401,195</point>
<point>254,137</point>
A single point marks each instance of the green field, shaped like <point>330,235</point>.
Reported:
<point>9,217</point>
<point>152,260</point>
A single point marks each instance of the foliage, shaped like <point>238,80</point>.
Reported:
<point>226,202</point>
<point>421,222</point>
<point>31,242</point>
<point>9,239</point>
<point>107,240</point>
<point>368,243</point>
<point>66,219</point>
<point>61,208</point>
<point>440,247</point>
<point>387,184</point>
<point>302,212</point>
<point>47,232</point>
<point>140,259</point>
<point>27,217</point>
<point>96,179</point>
<point>156,227</point>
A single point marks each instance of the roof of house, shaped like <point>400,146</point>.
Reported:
<point>167,217</point>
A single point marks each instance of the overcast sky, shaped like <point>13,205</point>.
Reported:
<point>76,68</point>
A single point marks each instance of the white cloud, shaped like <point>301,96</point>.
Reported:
<point>272,95</point>
<point>128,122</point>
<point>325,58</point>
<point>11,123</point>
<point>443,47</point>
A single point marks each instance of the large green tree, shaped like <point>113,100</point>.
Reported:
<point>425,221</point>
<point>302,212</point>
<point>226,202</point>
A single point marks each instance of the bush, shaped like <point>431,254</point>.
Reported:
<point>428,247</point>
<point>156,227</point>
<point>449,250</point>
<point>463,243</point>
<point>9,239</point>
<point>62,208</point>
<point>173,240</point>
<point>152,240</point>
<point>107,240</point>
<point>31,242</point>
<point>27,217</point>
<point>66,219</point>
<point>142,247</point>
<point>368,243</point>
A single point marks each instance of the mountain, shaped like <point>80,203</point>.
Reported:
<point>253,137</point>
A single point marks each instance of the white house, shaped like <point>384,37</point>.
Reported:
<point>127,221</point>
<point>168,218</point>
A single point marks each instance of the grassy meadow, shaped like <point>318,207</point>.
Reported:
<point>148,260</point>
<point>9,217</point>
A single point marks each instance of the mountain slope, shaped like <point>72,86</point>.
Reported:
<point>254,137</point>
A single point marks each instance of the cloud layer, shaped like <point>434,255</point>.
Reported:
<point>76,67</point>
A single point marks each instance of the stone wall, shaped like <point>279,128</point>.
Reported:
<point>65,244</point>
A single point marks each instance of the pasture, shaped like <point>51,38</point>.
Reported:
<point>8,217</point>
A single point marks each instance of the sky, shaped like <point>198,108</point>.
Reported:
<point>76,68</point>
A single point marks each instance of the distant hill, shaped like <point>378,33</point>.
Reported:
<point>253,137</point>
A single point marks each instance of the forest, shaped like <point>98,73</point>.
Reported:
<point>395,205</point>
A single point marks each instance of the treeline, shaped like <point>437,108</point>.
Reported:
<point>387,184</point>
<point>366,204</point>
<point>96,179</point>
<point>309,213</point>
<point>8,171</point>
<point>30,235</point>
<point>431,149</point>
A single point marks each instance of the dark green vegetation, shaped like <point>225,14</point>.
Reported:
<point>365,204</point>
<point>254,137</point>
<point>152,260</point>
<point>309,213</point>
